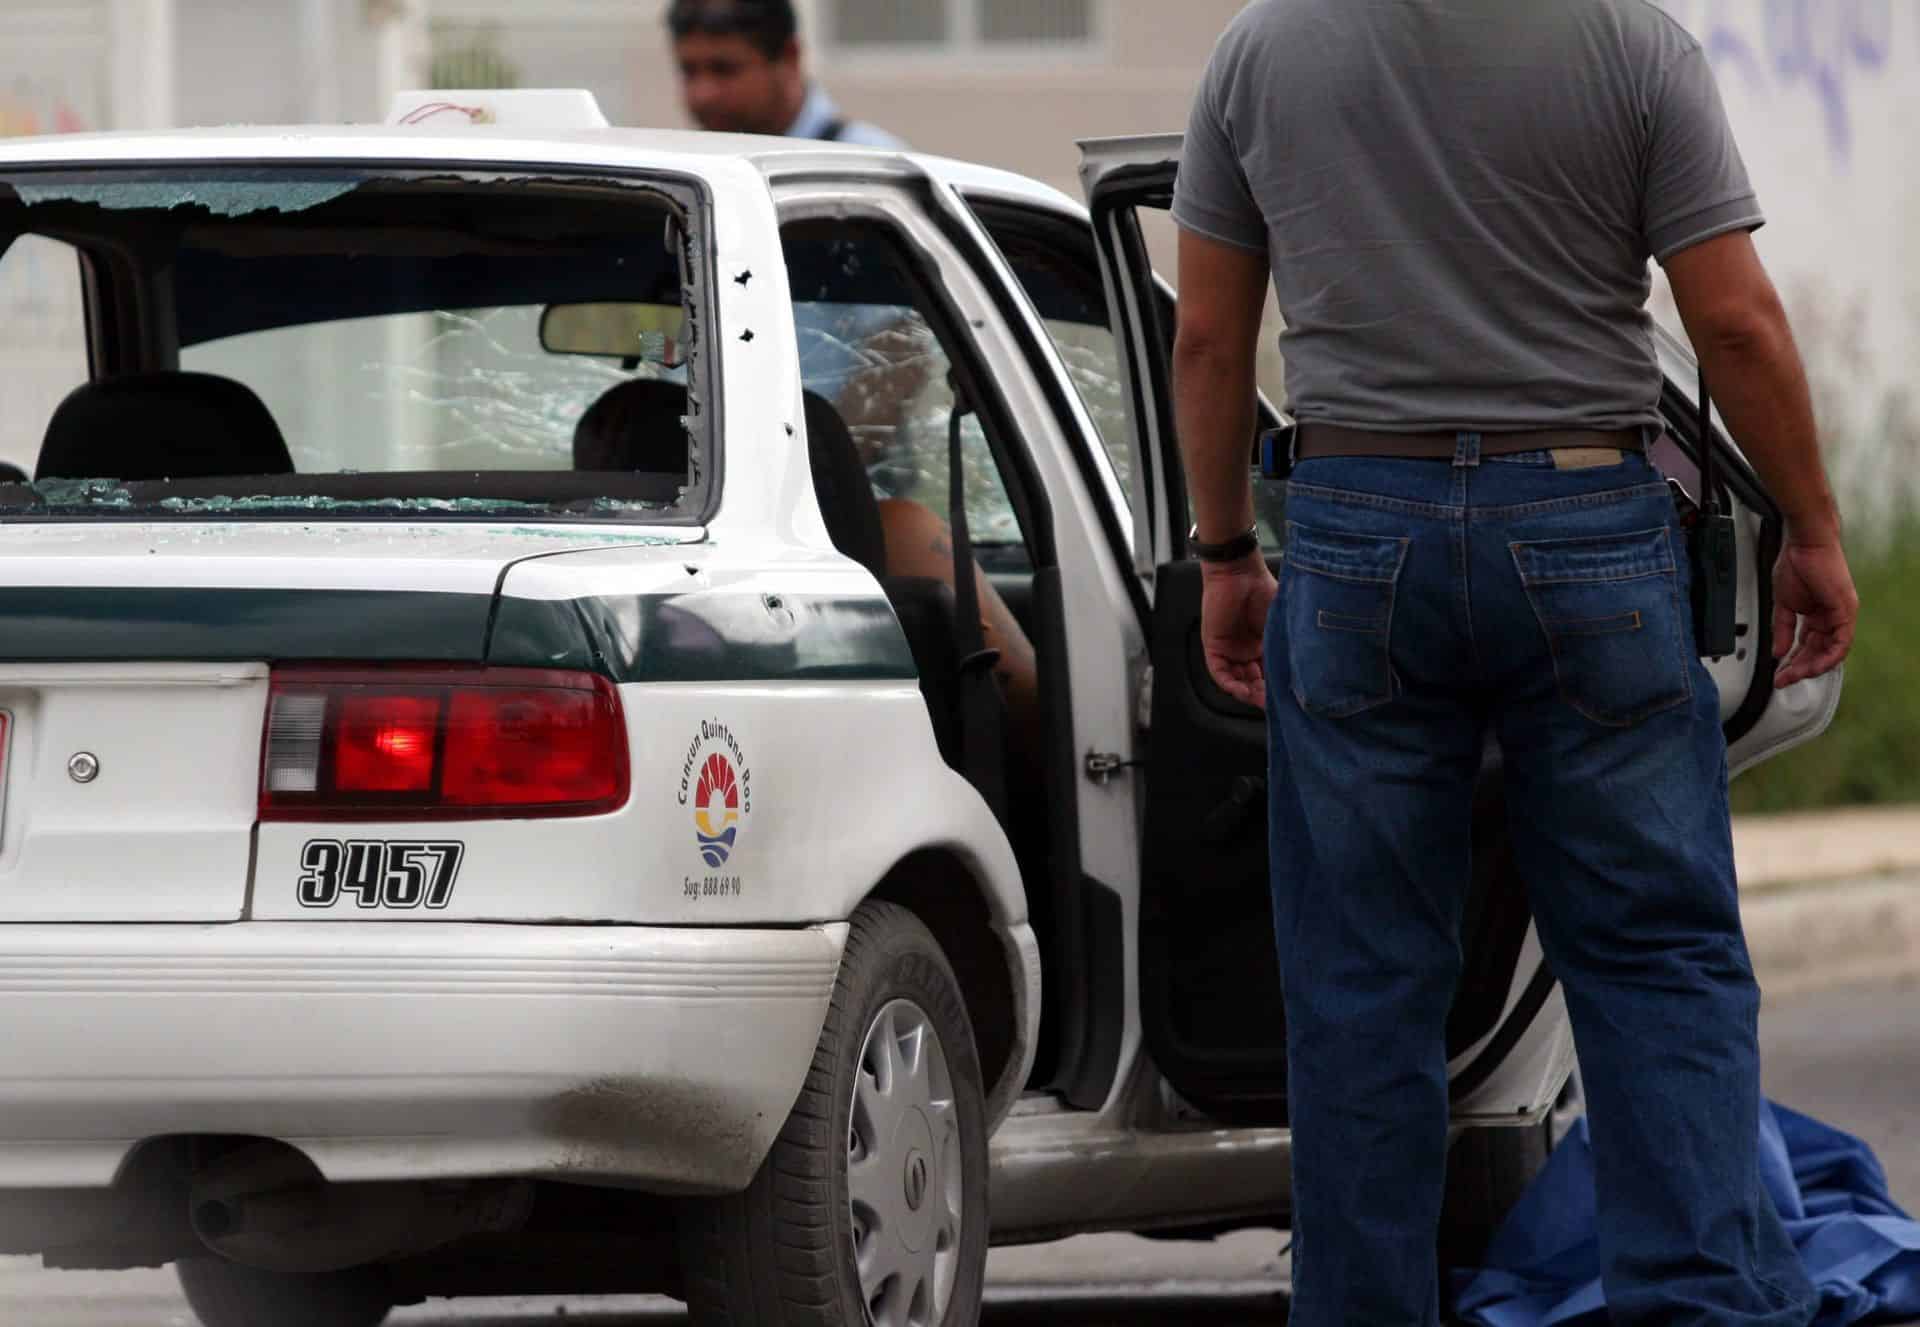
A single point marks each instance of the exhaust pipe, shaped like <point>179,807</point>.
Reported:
<point>265,1205</point>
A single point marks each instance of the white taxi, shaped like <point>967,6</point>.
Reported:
<point>587,710</point>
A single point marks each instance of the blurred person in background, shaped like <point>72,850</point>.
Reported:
<point>742,71</point>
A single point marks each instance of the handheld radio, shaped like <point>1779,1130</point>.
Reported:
<point>1713,547</point>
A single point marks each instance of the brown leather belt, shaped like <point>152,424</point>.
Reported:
<point>1318,441</point>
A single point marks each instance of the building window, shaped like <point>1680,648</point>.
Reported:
<point>890,22</point>
<point>960,26</point>
<point>1067,21</point>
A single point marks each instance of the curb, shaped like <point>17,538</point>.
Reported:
<point>1838,933</point>
<point>1846,844</point>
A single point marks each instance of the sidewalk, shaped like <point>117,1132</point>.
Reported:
<point>1831,898</point>
<point>1773,852</point>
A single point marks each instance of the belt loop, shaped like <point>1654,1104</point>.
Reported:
<point>1466,452</point>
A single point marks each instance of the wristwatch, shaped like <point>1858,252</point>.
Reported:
<point>1232,551</point>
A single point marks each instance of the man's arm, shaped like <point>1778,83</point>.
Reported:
<point>1223,291</point>
<point>1739,329</point>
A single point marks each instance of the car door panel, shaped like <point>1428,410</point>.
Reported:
<point>1761,721</point>
<point>1210,990</point>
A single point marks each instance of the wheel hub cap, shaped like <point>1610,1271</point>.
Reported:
<point>917,1176</point>
<point>903,1171</point>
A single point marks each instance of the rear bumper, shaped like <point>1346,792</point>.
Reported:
<point>645,1056</point>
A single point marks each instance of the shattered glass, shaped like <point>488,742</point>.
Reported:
<point>465,389</point>
<point>110,495</point>
<point>883,369</point>
<point>223,198</point>
<point>390,325</point>
<point>1092,360</point>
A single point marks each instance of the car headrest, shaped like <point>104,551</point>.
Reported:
<point>162,426</point>
<point>636,425</point>
<point>841,484</point>
<point>11,473</point>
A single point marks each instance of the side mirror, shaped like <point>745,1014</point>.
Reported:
<point>648,333</point>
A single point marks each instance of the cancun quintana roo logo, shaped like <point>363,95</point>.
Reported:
<point>717,785</point>
<point>716,810</point>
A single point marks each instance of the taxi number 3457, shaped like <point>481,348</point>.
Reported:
<point>377,874</point>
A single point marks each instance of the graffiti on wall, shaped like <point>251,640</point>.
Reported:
<point>1826,48</point>
<point>19,118</point>
<point>29,106</point>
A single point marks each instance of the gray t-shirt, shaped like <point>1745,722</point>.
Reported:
<point>1459,199</point>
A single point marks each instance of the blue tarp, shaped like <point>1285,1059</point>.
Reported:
<point>1860,1249</point>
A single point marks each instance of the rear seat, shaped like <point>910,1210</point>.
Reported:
<point>171,425</point>
<point>635,425</point>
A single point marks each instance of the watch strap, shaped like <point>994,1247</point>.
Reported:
<point>1240,546</point>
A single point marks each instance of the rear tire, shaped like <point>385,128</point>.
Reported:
<point>872,1205</point>
<point>226,1294</point>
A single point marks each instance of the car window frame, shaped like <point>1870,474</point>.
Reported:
<point>130,327</point>
<point>1069,243</point>
<point>985,208</point>
<point>903,211</point>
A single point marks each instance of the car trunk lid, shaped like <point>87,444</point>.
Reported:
<point>134,665</point>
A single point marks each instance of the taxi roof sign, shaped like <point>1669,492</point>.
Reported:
<point>514,108</point>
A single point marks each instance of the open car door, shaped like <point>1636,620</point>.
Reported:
<point>1209,981</point>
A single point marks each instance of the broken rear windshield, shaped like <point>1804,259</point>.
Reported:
<point>304,342</point>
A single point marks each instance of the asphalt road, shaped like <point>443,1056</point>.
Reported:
<point>1846,1057</point>
<point>1849,1058</point>
<point>1073,1285</point>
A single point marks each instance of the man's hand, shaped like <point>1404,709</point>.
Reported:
<point>1812,591</point>
<point>1235,597</point>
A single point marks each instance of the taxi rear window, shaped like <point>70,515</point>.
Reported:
<point>313,342</point>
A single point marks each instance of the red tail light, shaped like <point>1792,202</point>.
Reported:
<point>441,744</point>
<point>384,743</point>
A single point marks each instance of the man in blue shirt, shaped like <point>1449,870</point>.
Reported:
<point>742,71</point>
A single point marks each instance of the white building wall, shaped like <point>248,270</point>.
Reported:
<point>1825,98</point>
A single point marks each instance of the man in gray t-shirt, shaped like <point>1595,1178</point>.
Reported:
<point>1459,211</point>
<point>1456,202</point>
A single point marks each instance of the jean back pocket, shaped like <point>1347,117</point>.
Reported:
<point>1611,610</point>
<point>1339,590</point>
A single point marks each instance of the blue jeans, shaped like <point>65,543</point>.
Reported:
<point>1424,606</point>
